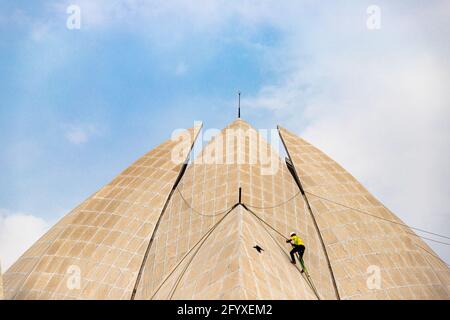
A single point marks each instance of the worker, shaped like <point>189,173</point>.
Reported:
<point>298,246</point>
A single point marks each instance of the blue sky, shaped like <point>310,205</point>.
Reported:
<point>78,106</point>
<point>131,92</point>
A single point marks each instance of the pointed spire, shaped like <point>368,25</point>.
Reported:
<point>239,104</point>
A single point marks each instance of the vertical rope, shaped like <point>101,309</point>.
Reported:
<point>308,279</point>
<point>299,184</point>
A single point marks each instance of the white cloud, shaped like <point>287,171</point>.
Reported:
<point>375,101</point>
<point>18,231</point>
<point>391,133</point>
<point>169,23</point>
<point>80,134</point>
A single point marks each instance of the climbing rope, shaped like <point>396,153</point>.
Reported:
<point>204,237</point>
<point>308,277</point>
<point>277,205</point>
<point>195,253</point>
<point>385,219</point>
<point>189,159</point>
<point>430,253</point>
<point>416,235</point>
<point>215,214</point>
<point>263,221</point>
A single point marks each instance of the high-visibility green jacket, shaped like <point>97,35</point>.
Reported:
<point>296,240</point>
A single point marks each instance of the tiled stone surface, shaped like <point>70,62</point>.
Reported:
<point>356,241</point>
<point>107,235</point>
<point>1,284</point>
<point>103,240</point>
<point>227,267</point>
<point>207,189</point>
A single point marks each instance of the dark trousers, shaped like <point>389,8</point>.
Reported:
<point>300,249</point>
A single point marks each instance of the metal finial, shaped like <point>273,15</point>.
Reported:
<point>239,104</point>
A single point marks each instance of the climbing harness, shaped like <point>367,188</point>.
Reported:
<point>306,275</point>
